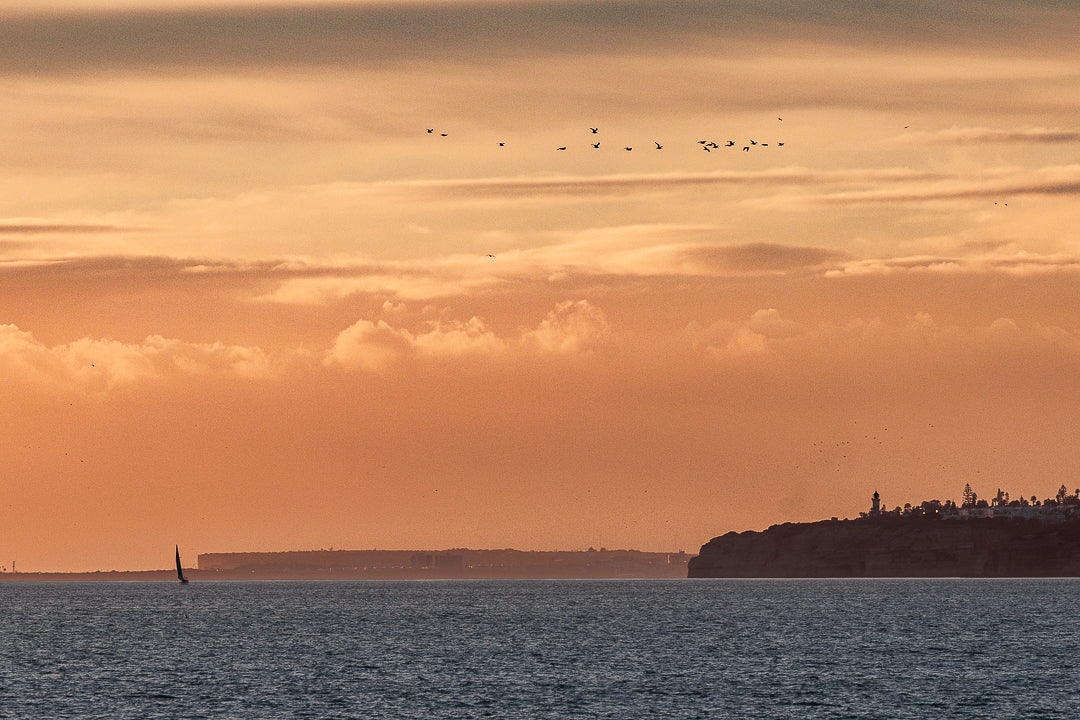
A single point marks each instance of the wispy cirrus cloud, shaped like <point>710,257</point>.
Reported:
<point>35,226</point>
<point>580,187</point>
<point>991,184</point>
<point>986,136</point>
<point>1008,263</point>
<point>612,253</point>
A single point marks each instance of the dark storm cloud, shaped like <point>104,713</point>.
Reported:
<point>468,32</point>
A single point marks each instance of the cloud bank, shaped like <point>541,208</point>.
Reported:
<point>379,34</point>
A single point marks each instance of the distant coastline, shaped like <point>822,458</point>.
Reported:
<point>458,563</point>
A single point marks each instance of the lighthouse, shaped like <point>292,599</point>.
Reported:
<point>875,504</point>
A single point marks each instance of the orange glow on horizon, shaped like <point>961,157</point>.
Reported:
<point>248,302</point>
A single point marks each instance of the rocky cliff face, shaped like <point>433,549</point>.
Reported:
<point>896,547</point>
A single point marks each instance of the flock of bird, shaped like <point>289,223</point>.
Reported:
<point>706,145</point>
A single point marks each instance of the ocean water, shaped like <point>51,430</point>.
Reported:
<point>542,649</point>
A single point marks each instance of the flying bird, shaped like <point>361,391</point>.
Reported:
<point>730,143</point>
<point>746,149</point>
<point>442,134</point>
<point>658,145</point>
<point>629,149</point>
<point>562,148</point>
<point>595,145</point>
<point>780,144</point>
<point>706,148</point>
<point>502,144</point>
<point>594,130</point>
<point>430,130</point>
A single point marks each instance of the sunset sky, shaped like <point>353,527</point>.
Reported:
<point>248,302</point>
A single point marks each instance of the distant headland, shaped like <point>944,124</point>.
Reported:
<point>976,538</point>
<point>458,563</point>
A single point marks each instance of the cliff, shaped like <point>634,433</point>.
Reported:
<point>896,547</point>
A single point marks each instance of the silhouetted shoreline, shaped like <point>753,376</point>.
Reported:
<point>888,546</point>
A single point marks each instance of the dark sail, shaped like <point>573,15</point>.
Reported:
<point>179,570</point>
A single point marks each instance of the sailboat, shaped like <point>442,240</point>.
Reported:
<point>179,570</point>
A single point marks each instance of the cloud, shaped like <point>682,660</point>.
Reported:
<point>756,336</point>
<point>1015,263</point>
<point>991,184</point>
<point>572,328</point>
<point>577,187</point>
<point>761,257</point>
<point>380,34</point>
<point>626,251</point>
<point>90,364</point>
<point>371,346</point>
<point>20,226</point>
<point>983,135</point>
<point>861,345</point>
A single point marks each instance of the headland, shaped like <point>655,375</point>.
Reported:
<point>979,539</point>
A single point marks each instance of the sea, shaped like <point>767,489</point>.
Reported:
<point>542,649</point>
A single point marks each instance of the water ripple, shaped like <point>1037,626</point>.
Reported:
<point>526,650</point>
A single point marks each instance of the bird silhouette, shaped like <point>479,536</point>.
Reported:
<point>658,145</point>
<point>442,134</point>
<point>753,142</point>
<point>730,143</point>
<point>746,149</point>
<point>562,148</point>
<point>629,149</point>
<point>594,130</point>
<point>430,130</point>
<point>780,144</point>
<point>595,145</point>
<point>502,144</point>
<point>706,148</point>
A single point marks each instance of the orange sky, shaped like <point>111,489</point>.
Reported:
<point>247,303</point>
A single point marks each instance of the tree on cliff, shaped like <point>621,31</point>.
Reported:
<point>932,508</point>
<point>968,498</point>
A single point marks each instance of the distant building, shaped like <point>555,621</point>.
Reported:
<point>875,505</point>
